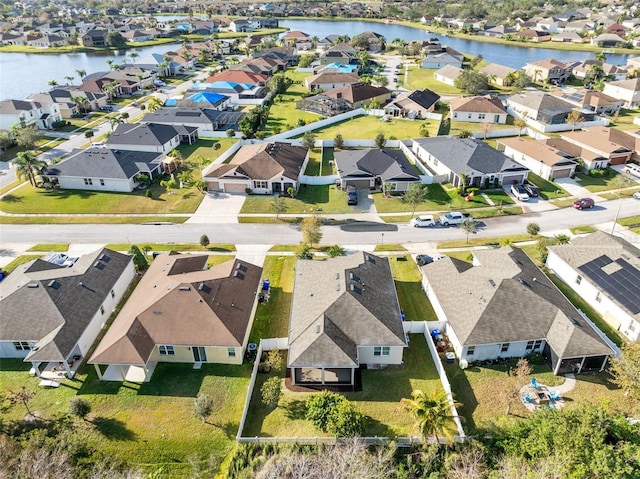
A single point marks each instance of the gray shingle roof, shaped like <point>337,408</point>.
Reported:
<point>55,306</point>
<point>105,163</point>
<point>340,304</point>
<point>460,154</point>
<point>507,298</point>
<point>142,134</point>
<point>389,165</point>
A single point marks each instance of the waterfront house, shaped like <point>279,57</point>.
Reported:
<point>42,116</point>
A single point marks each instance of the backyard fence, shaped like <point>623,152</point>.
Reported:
<point>316,125</point>
<point>604,337</point>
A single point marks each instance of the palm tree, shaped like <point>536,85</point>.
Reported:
<point>81,74</point>
<point>433,414</point>
<point>115,121</point>
<point>112,64</point>
<point>28,166</point>
<point>154,104</point>
<point>69,79</point>
<point>53,83</point>
<point>520,123</point>
<point>537,75</point>
<point>133,56</point>
<point>81,102</point>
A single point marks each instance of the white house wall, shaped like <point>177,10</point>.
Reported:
<point>166,148</point>
<point>631,98</point>
<point>365,355</point>
<point>75,183</point>
<point>536,166</point>
<point>8,350</point>
<point>478,117</point>
<point>613,314</point>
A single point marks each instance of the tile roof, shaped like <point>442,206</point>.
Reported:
<point>180,302</point>
<point>500,71</point>
<point>340,304</point>
<point>332,77</point>
<point>506,298</point>
<point>55,305</point>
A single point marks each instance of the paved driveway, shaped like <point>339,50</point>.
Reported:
<point>218,208</point>
<point>575,189</point>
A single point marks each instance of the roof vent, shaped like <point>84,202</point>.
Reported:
<point>352,287</point>
<point>337,275</point>
<point>350,276</point>
<point>317,329</point>
<point>338,287</point>
<point>185,288</point>
<point>492,283</point>
<point>33,285</point>
<point>200,286</point>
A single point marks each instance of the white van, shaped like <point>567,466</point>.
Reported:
<point>632,169</point>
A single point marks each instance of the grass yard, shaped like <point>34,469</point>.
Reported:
<point>379,400</point>
<point>493,212</point>
<point>499,197</point>
<point>548,189</point>
<point>368,127</point>
<point>564,203</point>
<point>89,220</point>
<point>148,425</point>
<point>10,186</point>
<point>598,183</point>
<point>438,199</point>
<point>283,114</point>
<point>420,78</point>
<point>580,230</point>
<point>325,198</point>
<point>624,120</point>
<point>272,318</point>
<point>408,281</point>
<point>180,247</point>
<point>46,247</point>
<point>486,241</point>
<point>202,152</point>
<point>626,193</point>
<point>389,247</point>
<point>315,162</point>
<point>29,200</point>
<point>630,221</point>
<point>327,158</point>
<point>22,259</point>
<point>458,127</point>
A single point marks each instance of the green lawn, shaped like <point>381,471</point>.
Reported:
<point>486,241</point>
<point>88,220</point>
<point>180,247</point>
<point>324,198</point>
<point>315,162</point>
<point>626,193</point>
<point>28,200</point>
<point>389,247</point>
<point>327,158</point>
<point>624,120</point>
<point>438,199</point>
<point>598,183</point>
<point>368,127</point>
<point>58,247</point>
<point>25,258</point>
<point>202,152</point>
<point>420,78</point>
<point>283,114</point>
<point>548,189</point>
<point>148,425</point>
<point>272,317</point>
<point>578,230</point>
<point>499,197</point>
<point>458,127</point>
<point>408,281</point>
<point>493,212</point>
<point>379,399</point>
<point>631,221</point>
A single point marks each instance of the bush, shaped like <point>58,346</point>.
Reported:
<point>204,241</point>
<point>599,173</point>
<point>79,407</point>
<point>533,229</point>
<point>88,133</point>
<point>148,194</point>
<point>202,407</point>
<point>271,391</point>
<point>331,412</point>
<point>248,191</point>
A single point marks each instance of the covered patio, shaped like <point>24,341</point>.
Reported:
<point>133,373</point>
<point>323,376</point>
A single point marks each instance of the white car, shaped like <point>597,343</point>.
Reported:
<point>420,221</point>
<point>632,169</point>
<point>519,192</point>
<point>636,195</point>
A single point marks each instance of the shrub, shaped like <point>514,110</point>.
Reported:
<point>271,391</point>
<point>533,229</point>
<point>599,173</point>
<point>335,250</point>
<point>248,191</point>
<point>148,194</point>
<point>331,412</point>
<point>79,407</point>
<point>204,241</point>
<point>202,407</point>
<point>88,134</point>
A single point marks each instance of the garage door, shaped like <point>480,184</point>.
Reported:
<point>359,184</point>
<point>566,173</point>
<point>213,186</point>
<point>620,160</point>
<point>510,179</point>
<point>234,187</point>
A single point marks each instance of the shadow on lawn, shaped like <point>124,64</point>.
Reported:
<point>11,199</point>
<point>112,428</point>
<point>463,393</point>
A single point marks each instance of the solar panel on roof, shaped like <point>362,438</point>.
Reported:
<point>188,113</point>
<point>623,285</point>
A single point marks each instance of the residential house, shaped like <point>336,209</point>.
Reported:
<point>340,53</point>
<point>440,60</point>
<point>262,168</point>
<point>205,120</point>
<point>478,109</point>
<point>262,66</point>
<point>240,25</point>
<point>626,90</point>
<point>531,35</point>
<point>288,55</point>
<point>344,316</point>
<point>360,94</point>
<point>104,169</point>
<point>544,160</point>
<point>540,106</point>
<point>126,81</point>
<point>205,99</point>
<point>569,37</point>
<point>588,69</point>
<point>548,70</point>
<point>324,105</point>
<point>376,41</point>
<point>548,24</point>
<point>329,80</point>
<point>608,40</point>
<point>448,74</point>
<point>370,169</point>
<point>52,314</point>
<point>499,74</point>
<point>96,37</point>
<point>181,312</point>
<point>605,271</point>
<point>616,146</point>
<point>590,100</point>
<point>70,100</point>
<point>151,137</point>
<point>504,306</point>
<point>236,92</point>
<point>14,112</point>
<point>455,158</point>
<point>138,36</point>
<point>48,41</point>
<point>239,76</point>
<point>412,105</point>
<point>499,31</point>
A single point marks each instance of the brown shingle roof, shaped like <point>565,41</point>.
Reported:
<point>538,150</point>
<point>358,92</point>
<point>480,104</point>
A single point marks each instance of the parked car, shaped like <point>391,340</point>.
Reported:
<point>352,195</point>
<point>420,221</point>
<point>423,259</point>
<point>583,203</point>
<point>632,169</point>
<point>106,108</point>
<point>453,218</point>
<point>531,190</point>
<point>159,83</point>
<point>519,192</point>
<point>636,195</point>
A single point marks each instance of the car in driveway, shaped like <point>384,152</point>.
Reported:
<point>106,108</point>
<point>531,190</point>
<point>422,221</point>
<point>352,195</point>
<point>519,192</point>
<point>583,203</point>
<point>632,169</point>
<point>423,259</point>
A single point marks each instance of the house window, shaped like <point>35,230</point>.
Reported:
<point>471,350</point>
<point>598,297</point>
<point>113,294</point>
<point>88,181</point>
<point>504,348</point>
<point>231,352</point>
<point>529,345</point>
<point>578,279</point>
<point>260,184</point>
<point>455,115</point>
<point>537,344</point>
<point>101,182</point>
<point>435,162</point>
<point>481,116</point>
<point>21,346</point>
<point>496,118</point>
<point>166,350</point>
<point>101,309</point>
<point>381,350</point>
<point>469,116</point>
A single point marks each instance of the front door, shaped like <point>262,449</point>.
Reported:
<point>199,354</point>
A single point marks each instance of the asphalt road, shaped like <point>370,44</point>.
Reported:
<point>550,223</point>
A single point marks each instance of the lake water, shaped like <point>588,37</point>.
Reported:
<point>22,74</point>
<point>514,56</point>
